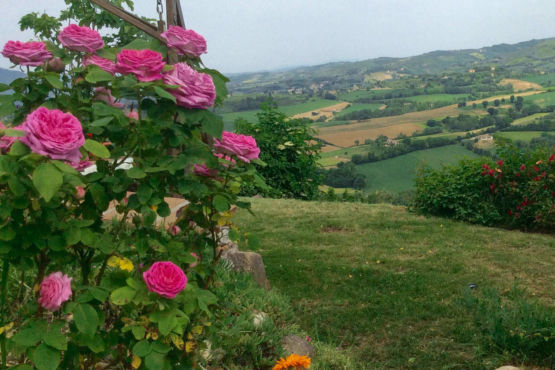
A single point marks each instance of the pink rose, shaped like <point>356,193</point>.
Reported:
<point>105,95</point>
<point>55,289</point>
<point>105,64</point>
<point>55,65</point>
<point>196,90</point>
<point>202,170</point>
<point>186,42</point>
<point>81,38</point>
<point>133,115</point>
<point>145,64</point>
<point>194,264</point>
<point>32,53</point>
<point>82,165</point>
<point>7,141</point>
<point>80,192</point>
<point>174,230</point>
<point>53,133</point>
<point>242,146</point>
<point>165,279</point>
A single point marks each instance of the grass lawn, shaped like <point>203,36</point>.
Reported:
<point>548,78</point>
<point>355,107</point>
<point>521,135</point>
<point>397,174</point>
<point>387,287</point>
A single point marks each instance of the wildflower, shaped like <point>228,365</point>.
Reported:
<point>293,361</point>
<point>500,163</point>
<point>522,167</point>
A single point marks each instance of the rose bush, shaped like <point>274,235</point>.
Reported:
<point>128,290</point>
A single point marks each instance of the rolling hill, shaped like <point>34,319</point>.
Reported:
<point>526,57</point>
<point>7,75</point>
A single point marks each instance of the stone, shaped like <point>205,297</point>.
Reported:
<point>507,368</point>
<point>249,262</point>
<point>297,345</point>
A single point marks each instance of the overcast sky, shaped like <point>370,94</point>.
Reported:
<point>253,35</point>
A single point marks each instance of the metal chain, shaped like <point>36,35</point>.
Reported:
<point>160,10</point>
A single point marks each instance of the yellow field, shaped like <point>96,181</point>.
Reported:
<point>519,85</point>
<point>326,111</point>
<point>408,123</point>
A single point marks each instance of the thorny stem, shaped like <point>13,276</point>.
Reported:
<point>5,269</point>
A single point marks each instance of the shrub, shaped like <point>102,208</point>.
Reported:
<point>140,294</point>
<point>290,154</point>
<point>516,191</point>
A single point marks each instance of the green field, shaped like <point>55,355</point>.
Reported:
<point>443,98</point>
<point>544,80</point>
<point>359,94</point>
<point>391,289</point>
<point>290,110</point>
<point>355,107</point>
<point>398,174</point>
<point>543,99</point>
<point>521,135</point>
<point>527,120</point>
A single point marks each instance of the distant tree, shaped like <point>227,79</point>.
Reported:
<point>381,140</point>
<point>496,102</point>
<point>503,100</point>
<point>512,99</point>
<point>357,142</point>
<point>519,103</point>
<point>485,103</point>
<point>493,111</point>
<point>290,152</point>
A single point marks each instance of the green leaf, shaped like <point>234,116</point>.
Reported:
<point>160,347</point>
<point>163,209</point>
<point>7,105</point>
<point>55,338</point>
<point>85,318</point>
<point>97,148</point>
<point>97,74</point>
<point>28,337</point>
<point>101,122</point>
<point>19,149</point>
<point>122,296</point>
<point>220,203</point>
<point>46,358</point>
<point>138,332</point>
<point>166,320</point>
<point>99,294</point>
<point>47,180</point>
<point>164,94</point>
<point>65,167</point>
<point>136,173</point>
<point>13,132</point>
<point>155,361</point>
<point>4,87</point>
<point>144,192</point>
<point>213,125</point>
<point>99,195</point>
<point>54,80</point>
<point>142,348</point>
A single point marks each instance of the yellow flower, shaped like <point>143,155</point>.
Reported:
<point>122,263</point>
<point>293,361</point>
<point>197,330</point>
<point>177,341</point>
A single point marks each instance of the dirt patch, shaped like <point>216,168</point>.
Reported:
<point>520,85</point>
<point>326,111</point>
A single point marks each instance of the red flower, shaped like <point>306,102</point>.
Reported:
<point>517,174</point>
<point>89,135</point>
<point>552,157</point>
<point>485,166</point>
<point>517,215</point>
<point>500,163</point>
<point>522,167</point>
<point>491,172</point>
<point>492,186</point>
<point>510,212</point>
<point>536,168</point>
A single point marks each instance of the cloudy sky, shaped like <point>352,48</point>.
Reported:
<point>253,35</point>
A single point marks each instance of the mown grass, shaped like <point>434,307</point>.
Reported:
<point>398,174</point>
<point>442,98</point>
<point>527,120</point>
<point>387,287</point>
<point>543,100</point>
